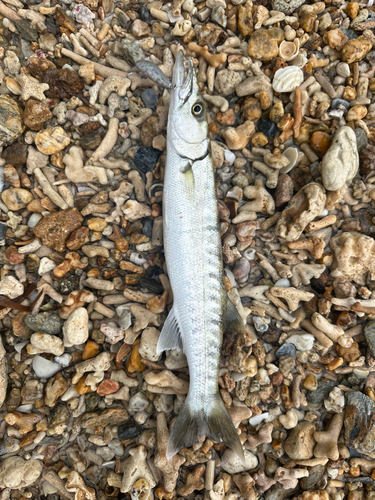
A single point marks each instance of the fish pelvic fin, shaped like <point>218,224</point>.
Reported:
<point>193,424</point>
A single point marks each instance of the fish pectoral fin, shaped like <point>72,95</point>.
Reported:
<point>170,337</point>
<point>234,320</point>
<point>185,168</point>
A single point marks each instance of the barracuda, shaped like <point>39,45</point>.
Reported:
<point>192,248</point>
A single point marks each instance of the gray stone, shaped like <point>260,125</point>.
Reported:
<point>369,333</point>
<point>11,124</point>
<point>286,349</point>
<point>321,393</point>
<point>278,492</point>
<point>132,50</point>
<point>44,322</point>
<point>287,7</point>
<point>315,475</point>
<point>218,16</point>
<point>359,423</point>
<point>340,163</point>
<point>362,140</point>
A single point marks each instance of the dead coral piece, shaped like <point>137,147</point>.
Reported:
<point>352,257</point>
<point>307,204</point>
<point>135,467</point>
<point>170,468</point>
<point>327,441</point>
<point>292,296</point>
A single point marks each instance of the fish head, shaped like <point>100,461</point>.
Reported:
<point>187,121</point>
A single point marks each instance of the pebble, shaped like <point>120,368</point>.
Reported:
<point>145,159</point>
<point>361,139</point>
<point>369,333</point>
<point>16,198</point>
<point>340,163</point>
<point>321,393</point>
<point>359,428</point>
<point>302,342</point>
<point>356,49</point>
<point>11,123</point>
<point>129,430</point>
<point>54,229</point>
<point>226,81</point>
<point>76,328</point>
<point>268,128</point>
<point>264,43</point>
<point>150,98</point>
<point>51,140</point>
<point>35,114</point>
<point>232,464</point>
<point>11,287</point>
<point>44,368</point>
<point>299,445</point>
<point>44,322</point>
<point>286,350</point>
<point>17,473</point>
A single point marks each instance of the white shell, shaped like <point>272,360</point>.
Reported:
<point>287,79</point>
<point>292,154</point>
<point>289,50</point>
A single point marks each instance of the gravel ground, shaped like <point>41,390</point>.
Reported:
<point>86,404</point>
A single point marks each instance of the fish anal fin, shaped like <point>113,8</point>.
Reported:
<point>170,337</point>
<point>234,320</point>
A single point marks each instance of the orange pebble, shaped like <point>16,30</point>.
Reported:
<point>134,363</point>
<point>91,350</point>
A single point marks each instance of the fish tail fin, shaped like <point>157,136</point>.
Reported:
<point>192,424</point>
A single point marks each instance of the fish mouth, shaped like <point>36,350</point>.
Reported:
<point>179,79</point>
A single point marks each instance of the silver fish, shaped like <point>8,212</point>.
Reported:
<point>154,73</point>
<point>193,255</point>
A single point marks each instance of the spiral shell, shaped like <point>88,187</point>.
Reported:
<point>289,50</point>
<point>287,79</point>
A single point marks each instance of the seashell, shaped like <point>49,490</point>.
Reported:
<point>289,50</point>
<point>13,85</point>
<point>287,79</point>
<point>292,154</point>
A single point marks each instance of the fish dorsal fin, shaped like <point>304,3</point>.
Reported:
<point>170,337</point>
<point>234,320</point>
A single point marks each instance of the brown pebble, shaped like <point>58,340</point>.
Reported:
<point>284,190</point>
<point>348,353</point>
<point>320,143</point>
<point>54,229</point>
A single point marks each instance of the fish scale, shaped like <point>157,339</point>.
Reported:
<point>192,246</point>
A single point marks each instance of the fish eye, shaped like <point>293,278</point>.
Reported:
<point>197,109</point>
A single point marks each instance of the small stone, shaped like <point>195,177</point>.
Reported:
<point>245,19</point>
<point>310,383</point>
<point>54,229</point>
<point>140,28</point>
<point>320,142</point>
<point>228,117</point>
<point>264,43</point>
<point>63,83</point>
<point>336,39</point>
<point>211,34</point>
<point>299,445</point>
<point>36,113</point>
<point>356,49</point>
<point>356,113</point>
<point>16,198</point>
<point>285,6</point>
<point>348,353</point>
<point>97,224</point>
<point>16,154</point>
<point>321,393</point>
<point>108,386</point>
<point>218,16</point>
<point>78,238</point>
<point>315,475</point>
<point>132,50</point>
<point>149,341</point>
<point>359,426</point>
<point>343,69</point>
<point>268,128</point>
<point>146,159</point>
<point>232,463</point>
<point>129,430</point>
<point>251,110</point>
<point>307,21</point>
<point>17,473</point>
<point>150,98</point>
<point>302,342</point>
<point>44,322</point>
<point>369,333</point>
<point>76,328</point>
<point>237,138</point>
<point>284,190</point>
<point>226,81</point>
<point>10,287</point>
<point>11,124</point>
<point>362,140</point>
<point>340,163</point>
<point>352,9</point>
<point>286,350</point>
<point>51,140</point>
